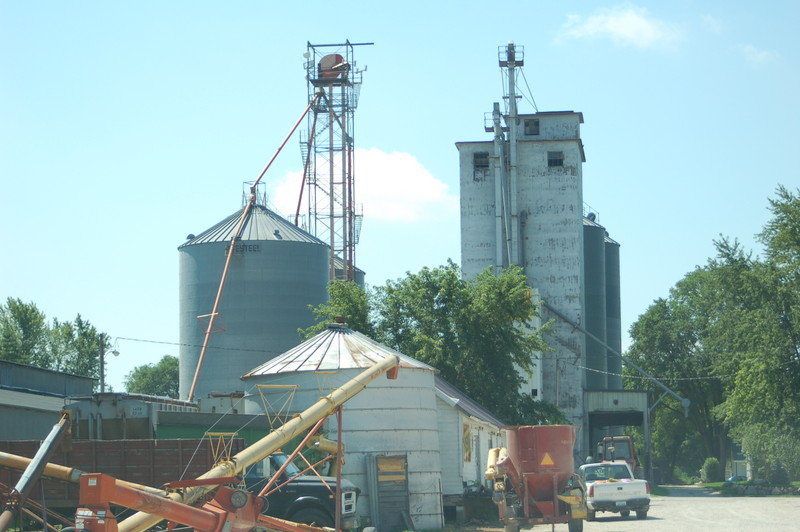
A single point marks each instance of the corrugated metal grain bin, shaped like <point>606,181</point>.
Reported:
<point>276,272</point>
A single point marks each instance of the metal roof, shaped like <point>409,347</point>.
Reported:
<point>261,224</point>
<point>334,349</point>
<point>464,403</point>
<point>32,400</point>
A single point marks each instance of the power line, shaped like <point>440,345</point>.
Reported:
<point>182,344</point>
<point>641,377</point>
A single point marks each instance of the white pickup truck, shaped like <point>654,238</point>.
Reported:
<point>610,487</point>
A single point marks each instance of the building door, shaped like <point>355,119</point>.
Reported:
<point>390,507</point>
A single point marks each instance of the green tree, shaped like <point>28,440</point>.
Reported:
<point>26,337</point>
<point>23,333</point>
<point>712,470</point>
<point>668,342</point>
<point>159,379</point>
<point>763,407</point>
<point>477,333</point>
<point>346,300</point>
<point>728,338</point>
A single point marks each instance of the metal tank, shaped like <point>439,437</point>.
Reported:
<point>594,320</point>
<point>276,272</point>
<point>389,430</point>
<point>542,455</point>
<point>613,315</point>
<point>534,481</point>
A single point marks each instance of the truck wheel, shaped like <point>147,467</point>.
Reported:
<point>625,513</point>
<point>575,525</point>
<point>641,514</point>
<point>312,516</point>
<point>590,515</point>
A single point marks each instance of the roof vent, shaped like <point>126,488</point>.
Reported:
<point>277,234</point>
<point>189,236</point>
<point>591,216</point>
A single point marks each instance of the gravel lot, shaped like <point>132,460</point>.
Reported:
<point>695,509</point>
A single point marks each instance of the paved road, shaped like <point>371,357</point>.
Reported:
<point>694,509</point>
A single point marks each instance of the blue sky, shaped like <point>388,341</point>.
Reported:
<point>125,126</point>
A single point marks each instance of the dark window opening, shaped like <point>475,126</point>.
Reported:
<point>531,126</point>
<point>481,160</point>
<point>480,164</point>
<point>555,158</point>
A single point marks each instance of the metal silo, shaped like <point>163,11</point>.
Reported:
<point>276,272</point>
<point>613,315</point>
<point>391,420</point>
<point>594,270</point>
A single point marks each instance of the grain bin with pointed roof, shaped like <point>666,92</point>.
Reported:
<point>276,272</point>
<point>389,429</point>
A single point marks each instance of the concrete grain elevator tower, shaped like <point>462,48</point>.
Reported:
<point>522,204</point>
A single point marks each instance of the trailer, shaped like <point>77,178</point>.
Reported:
<point>534,479</point>
<point>144,462</point>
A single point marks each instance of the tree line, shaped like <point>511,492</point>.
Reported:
<point>727,337</point>
<point>27,337</point>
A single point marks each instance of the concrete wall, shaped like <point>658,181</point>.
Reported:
<point>550,224</point>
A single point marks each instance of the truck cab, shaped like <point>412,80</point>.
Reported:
<point>304,498</point>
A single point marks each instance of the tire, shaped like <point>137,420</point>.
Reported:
<point>590,515</point>
<point>511,527</point>
<point>312,516</point>
<point>625,513</point>
<point>641,514</point>
<point>575,525</point>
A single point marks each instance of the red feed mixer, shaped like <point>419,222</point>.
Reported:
<point>534,480</point>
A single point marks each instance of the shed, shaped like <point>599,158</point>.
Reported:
<point>390,430</point>
<point>31,398</point>
<point>467,431</point>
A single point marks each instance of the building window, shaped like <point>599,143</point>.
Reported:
<point>555,158</point>
<point>480,164</point>
<point>531,126</point>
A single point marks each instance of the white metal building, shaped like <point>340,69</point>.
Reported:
<point>390,430</point>
<point>466,433</point>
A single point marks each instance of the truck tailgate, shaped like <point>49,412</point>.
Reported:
<point>621,490</point>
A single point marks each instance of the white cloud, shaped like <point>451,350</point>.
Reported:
<point>625,25</point>
<point>712,23</point>
<point>392,187</point>
<point>755,56</point>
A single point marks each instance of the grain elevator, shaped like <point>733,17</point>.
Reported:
<point>522,204</point>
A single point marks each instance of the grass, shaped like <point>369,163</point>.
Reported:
<point>658,491</point>
<point>727,488</point>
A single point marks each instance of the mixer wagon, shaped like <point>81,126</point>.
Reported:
<point>534,479</point>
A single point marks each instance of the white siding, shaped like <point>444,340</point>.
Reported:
<point>387,417</point>
<point>450,448</point>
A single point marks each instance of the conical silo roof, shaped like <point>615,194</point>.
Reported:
<point>336,348</point>
<point>261,224</point>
